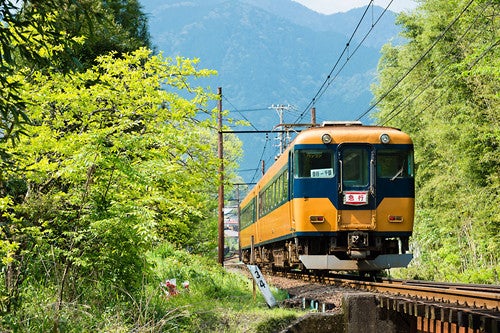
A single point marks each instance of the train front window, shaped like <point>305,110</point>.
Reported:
<point>314,164</point>
<point>355,167</point>
<point>392,163</point>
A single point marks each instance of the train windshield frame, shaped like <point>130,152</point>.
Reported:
<point>314,163</point>
<point>395,163</point>
<point>356,166</point>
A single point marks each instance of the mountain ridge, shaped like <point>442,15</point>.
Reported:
<point>275,52</point>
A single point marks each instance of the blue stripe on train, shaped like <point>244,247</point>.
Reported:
<point>386,234</point>
<point>328,187</point>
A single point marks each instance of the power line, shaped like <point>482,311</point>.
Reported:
<point>243,116</point>
<point>355,50</point>
<point>251,110</point>
<point>416,63</point>
<point>482,55</point>
<point>246,170</point>
<point>313,101</point>
<point>254,131</point>
<point>329,79</point>
<point>392,114</point>
<point>261,157</point>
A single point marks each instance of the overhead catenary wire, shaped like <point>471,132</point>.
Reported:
<point>255,130</point>
<point>482,55</point>
<point>246,170</point>
<point>235,109</point>
<point>408,98</point>
<point>313,101</point>
<point>250,109</point>
<point>419,60</point>
<point>354,51</point>
<point>329,79</point>
<point>261,157</point>
<point>425,83</point>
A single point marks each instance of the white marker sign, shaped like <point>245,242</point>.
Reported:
<point>263,286</point>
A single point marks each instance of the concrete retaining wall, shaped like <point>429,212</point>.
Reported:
<point>359,314</point>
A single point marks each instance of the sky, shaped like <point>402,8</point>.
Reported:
<point>335,6</point>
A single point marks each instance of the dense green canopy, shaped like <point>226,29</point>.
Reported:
<point>104,155</point>
<point>59,35</point>
<point>443,87</point>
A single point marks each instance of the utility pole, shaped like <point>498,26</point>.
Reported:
<point>281,137</point>
<point>221,182</point>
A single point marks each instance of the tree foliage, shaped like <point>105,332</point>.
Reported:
<point>115,160</point>
<point>114,153</point>
<point>448,101</point>
<point>62,35</point>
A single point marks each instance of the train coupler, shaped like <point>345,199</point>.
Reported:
<point>357,245</point>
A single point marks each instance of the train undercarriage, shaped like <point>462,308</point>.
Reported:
<point>347,251</point>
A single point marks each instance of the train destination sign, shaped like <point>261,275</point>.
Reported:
<point>355,198</point>
<point>322,173</point>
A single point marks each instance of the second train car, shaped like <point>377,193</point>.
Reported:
<point>341,198</point>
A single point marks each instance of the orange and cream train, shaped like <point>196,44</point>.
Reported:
<point>340,198</point>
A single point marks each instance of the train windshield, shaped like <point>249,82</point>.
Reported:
<point>355,167</point>
<point>314,164</point>
<point>394,164</point>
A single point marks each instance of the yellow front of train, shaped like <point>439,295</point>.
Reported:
<point>353,197</point>
<point>341,197</point>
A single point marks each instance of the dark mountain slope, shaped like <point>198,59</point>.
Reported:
<point>273,52</point>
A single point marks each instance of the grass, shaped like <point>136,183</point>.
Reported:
<point>216,301</point>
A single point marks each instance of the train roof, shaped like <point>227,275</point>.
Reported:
<point>353,132</point>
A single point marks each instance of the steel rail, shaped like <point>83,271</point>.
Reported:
<point>429,306</point>
<point>468,295</point>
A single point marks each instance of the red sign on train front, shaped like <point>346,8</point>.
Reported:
<point>355,198</point>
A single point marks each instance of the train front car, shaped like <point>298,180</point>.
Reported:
<point>340,198</point>
<point>353,197</point>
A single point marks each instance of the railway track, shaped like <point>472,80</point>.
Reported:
<point>436,306</point>
<point>429,307</point>
<point>470,295</point>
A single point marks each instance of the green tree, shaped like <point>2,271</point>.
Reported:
<point>29,36</point>
<point>117,26</point>
<point>60,34</point>
<point>115,161</point>
<point>448,101</point>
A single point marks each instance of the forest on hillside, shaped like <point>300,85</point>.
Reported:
<point>109,164</point>
<point>443,88</point>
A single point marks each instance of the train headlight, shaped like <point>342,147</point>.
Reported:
<point>384,138</point>
<point>326,138</point>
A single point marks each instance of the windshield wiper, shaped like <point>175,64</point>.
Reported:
<point>399,173</point>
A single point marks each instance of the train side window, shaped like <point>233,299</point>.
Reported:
<point>392,163</point>
<point>247,216</point>
<point>285,185</point>
<point>314,164</point>
<point>262,200</point>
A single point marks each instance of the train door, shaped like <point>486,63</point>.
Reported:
<point>356,187</point>
<point>290,190</point>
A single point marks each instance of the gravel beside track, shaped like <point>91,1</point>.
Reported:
<point>297,289</point>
